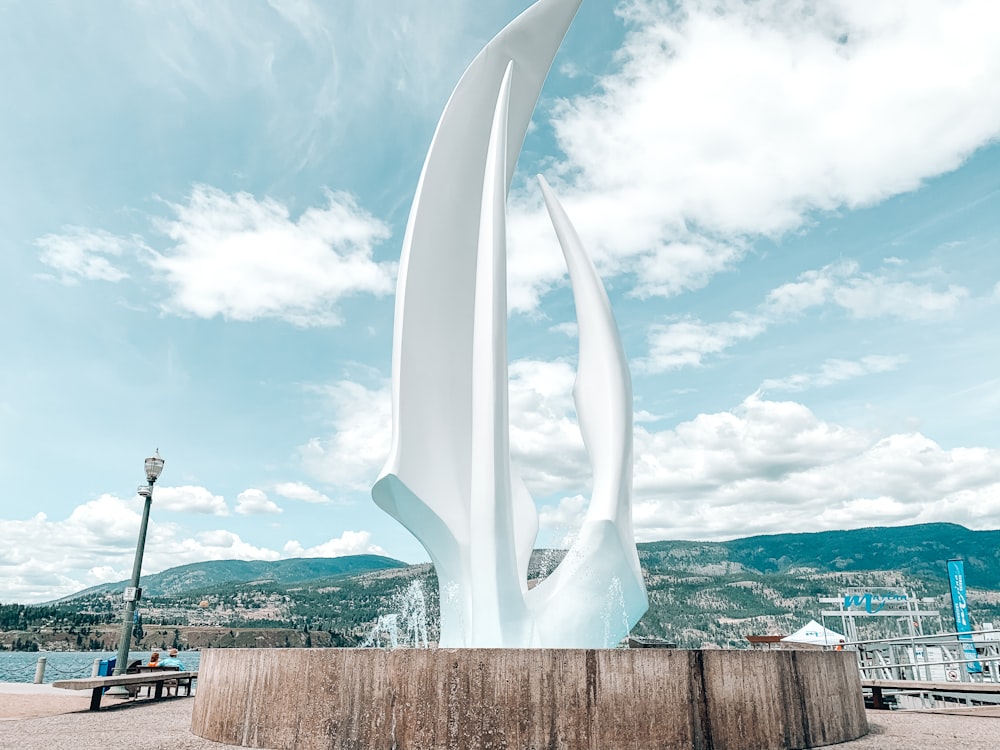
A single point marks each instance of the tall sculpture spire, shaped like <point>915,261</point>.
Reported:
<point>448,477</point>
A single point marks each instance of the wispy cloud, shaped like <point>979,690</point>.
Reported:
<point>835,371</point>
<point>361,430</point>
<point>690,342</point>
<point>300,491</point>
<point>80,253</point>
<point>190,499</point>
<point>316,70</point>
<point>869,297</point>
<point>686,343</point>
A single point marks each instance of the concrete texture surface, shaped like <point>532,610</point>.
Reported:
<point>26,700</point>
<point>141,725</point>
<point>515,699</point>
<point>166,726</point>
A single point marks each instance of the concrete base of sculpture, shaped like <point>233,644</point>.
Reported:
<point>527,699</point>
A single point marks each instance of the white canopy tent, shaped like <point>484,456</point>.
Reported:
<point>814,634</point>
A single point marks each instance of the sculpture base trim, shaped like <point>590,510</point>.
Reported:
<point>527,699</point>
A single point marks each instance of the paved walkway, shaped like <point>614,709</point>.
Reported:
<point>40,717</point>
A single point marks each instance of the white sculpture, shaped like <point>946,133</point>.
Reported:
<point>448,478</point>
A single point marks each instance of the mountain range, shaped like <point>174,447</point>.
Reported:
<point>701,593</point>
<point>208,575</point>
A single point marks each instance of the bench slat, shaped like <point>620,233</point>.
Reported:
<point>89,683</point>
<point>97,684</point>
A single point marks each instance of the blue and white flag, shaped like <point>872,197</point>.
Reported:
<point>956,576</point>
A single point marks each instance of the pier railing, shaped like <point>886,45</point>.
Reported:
<point>941,657</point>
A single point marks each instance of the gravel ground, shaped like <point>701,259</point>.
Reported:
<point>165,725</point>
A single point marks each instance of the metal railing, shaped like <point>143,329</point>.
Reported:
<point>941,657</point>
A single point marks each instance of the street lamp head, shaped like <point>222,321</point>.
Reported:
<point>154,465</point>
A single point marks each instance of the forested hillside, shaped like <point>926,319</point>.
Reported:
<point>701,593</point>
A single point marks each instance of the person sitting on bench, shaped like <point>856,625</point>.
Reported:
<point>173,662</point>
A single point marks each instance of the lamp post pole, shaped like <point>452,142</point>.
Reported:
<point>154,465</point>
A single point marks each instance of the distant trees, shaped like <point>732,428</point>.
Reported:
<point>137,630</point>
<point>25,617</point>
<point>19,645</point>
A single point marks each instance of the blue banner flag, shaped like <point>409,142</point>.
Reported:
<point>956,576</point>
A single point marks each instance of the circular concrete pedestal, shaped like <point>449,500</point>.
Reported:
<point>527,699</point>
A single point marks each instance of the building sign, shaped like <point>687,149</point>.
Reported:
<point>873,603</point>
<point>956,577</point>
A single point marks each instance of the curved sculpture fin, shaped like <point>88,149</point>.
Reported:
<point>448,477</point>
<point>603,389</point>
<point>432,336</point>
<point>604,552</point>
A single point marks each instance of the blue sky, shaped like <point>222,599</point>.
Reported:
<point>795,207</point>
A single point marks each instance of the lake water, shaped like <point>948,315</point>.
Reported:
<point>19,666</point>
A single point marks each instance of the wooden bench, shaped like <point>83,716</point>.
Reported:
<point>921,686</point>
<point>147,669</point>
<point>156,679</point>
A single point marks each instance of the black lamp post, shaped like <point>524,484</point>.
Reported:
<point>154,465</point>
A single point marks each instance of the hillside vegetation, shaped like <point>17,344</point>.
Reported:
<point>701,593</point>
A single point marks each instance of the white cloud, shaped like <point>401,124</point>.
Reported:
<point>362,429</point>
<point>689,342</point>
<point>730,120</point>
<point>253,502</point>
<point>42,559</point>
<point>81,253</point>
<point>863,294</point>
<point>546,446</point>
<point>768,466</point>
<point>675,267</point>
<point>835,371</point>
<point>762,467</point>
<point>245,259</point>
<point>873,298</point>
<point>349,543</point>
<point>300,491</point>
<point>563,519</point>
<point>189,499</point>
<point>686,343</point>
<point>220,544</point>
<point>545,443</point>
<point>811,289</point>
<point>107,519</point>
<point>569,328</point>
<point>241,258</point>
